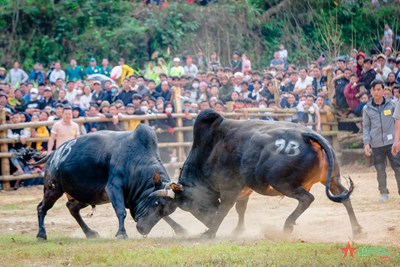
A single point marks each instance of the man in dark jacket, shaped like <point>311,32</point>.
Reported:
<point>368,74</point>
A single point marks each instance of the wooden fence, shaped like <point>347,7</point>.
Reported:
<point>179,129</point>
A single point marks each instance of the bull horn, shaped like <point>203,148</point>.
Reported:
<point>163,193</point>
<point>173,186</point>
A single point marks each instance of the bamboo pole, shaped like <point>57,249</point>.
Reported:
<point>179,121</point>
<point>276,92</point>
<point>5,163</point>
<point>331,87</point>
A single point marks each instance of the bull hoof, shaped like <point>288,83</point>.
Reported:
<point>41,239</point>
<point>92,234</point>
<point>121,236</point>
<point>288,229</point>
<point>208,234</point>
<point>238,231</point>
<point>181,232</point>
<point>359,234</point>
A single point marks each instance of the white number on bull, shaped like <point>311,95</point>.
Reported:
<point>62,153</point>
<point>290,149</point>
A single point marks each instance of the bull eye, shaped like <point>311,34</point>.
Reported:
<point>156,203</point>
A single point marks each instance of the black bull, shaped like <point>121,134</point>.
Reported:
<point>118,167</point>
<point>230,157</point>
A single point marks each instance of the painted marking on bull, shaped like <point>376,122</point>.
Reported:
<point>291,149</point>
<point>62,153</point>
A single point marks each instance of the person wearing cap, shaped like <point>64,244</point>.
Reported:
<point>98,94</point>
<point>382,71</point>
<point>34,103</point>
<point>191,69</point>
<point>16,75</point>
<point>36,75</point>
<point>57,73</point>
<point>92,68</point>
<point>74,71</point>
<point>177,69</point>
<point>4,102</point>
<point>48,99</point>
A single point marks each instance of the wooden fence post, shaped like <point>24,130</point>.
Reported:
<point>331,93</point>
<point>5,162</point>
<point>179,121</point>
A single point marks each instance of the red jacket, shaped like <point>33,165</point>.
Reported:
<point>350,95</point>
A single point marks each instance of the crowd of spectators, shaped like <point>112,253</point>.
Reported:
<point>203,82</point>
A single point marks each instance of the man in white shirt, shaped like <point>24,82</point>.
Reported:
<point>57,73</point>
<point>302,83</point>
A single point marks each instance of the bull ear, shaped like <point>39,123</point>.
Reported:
<point>156,179</point>
<point>176,187</point>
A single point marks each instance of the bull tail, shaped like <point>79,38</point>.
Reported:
<point>331,161</point>
<point>41,161</point>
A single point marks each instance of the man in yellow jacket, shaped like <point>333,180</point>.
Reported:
<point>126,70</point>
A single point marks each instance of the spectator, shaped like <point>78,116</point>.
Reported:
<point>246,65</point>
<point>21,102</point>
<point>378,135</point>
<point>283,54</point>
<point>48,98</point>
<point>387,37</point>
<point>91,127</point>
<point>340,82</point>
<point>41,131</point>
<point>190,69</point>
<point>277,62</point>
<point>63,130</point>
<point>74,71</point>
<point>61,98</point>
<point>165,91</point>
<point>16,76</point>
<point>36,74</point>
<point>92,68</point>
<point>127,71</point>
<point>201,61</point>
<point>213,63</point>
<point>71,92</point>
<point>382,71</point>
<point>257,92</point>
<point>57,73</point>
<point>161,67</point>
<point>368,75</point>
<point>302,83</point>
<point>177,69</point>
<point>236,63</point>
<point>105,67</point>
<point>318,80</point>
<point>3,75</point>
<point>34,104</point>
<point>326,114</point>
<point>351,92</point>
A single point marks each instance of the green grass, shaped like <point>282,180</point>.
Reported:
<point>11,207</point>
<point>24,250</point>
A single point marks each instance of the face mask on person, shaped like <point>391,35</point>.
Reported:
<point>391,66</point>
<point>195,85</point>
<point>262,106</point>
<point>33,95</point>
<point>79,92</point>
<point>144,108</point>
<point>168,110</point>
<point>114,91</point>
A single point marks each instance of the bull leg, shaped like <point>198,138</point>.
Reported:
<point>178,229</point>
<point>74,207</point>
<point>241,206</point>
<point>305,199</point>
<point>337,188</point>
<point>52,193</point>
<point>116,197</point>
<point>223,210</point>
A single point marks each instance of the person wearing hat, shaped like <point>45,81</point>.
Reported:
<point>382,71</point>
<point>57,73</point>
<point>98,94</point>
<point>92,68</point>
<point>34,103</point>
<point>104,107</point>
<point>4,102</point>
<point>177,69</point>
<point>47,99</point>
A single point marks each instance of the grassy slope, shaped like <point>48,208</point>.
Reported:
<point>24,250</point>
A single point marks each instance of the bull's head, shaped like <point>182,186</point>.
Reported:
<point>158,204</point>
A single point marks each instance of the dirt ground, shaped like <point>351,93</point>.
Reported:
<point>324,221</point>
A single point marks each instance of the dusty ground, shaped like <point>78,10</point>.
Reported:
<point>324,221</point>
